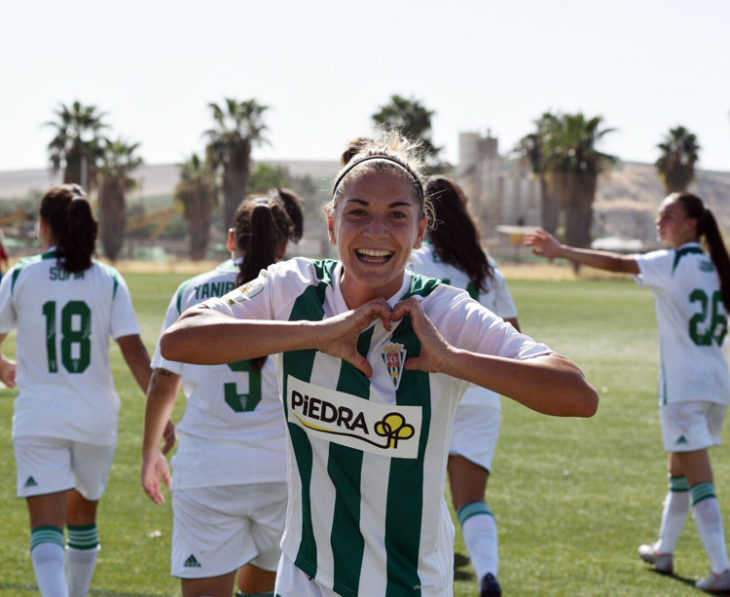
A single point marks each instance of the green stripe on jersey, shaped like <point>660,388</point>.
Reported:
<point>682,252</point>
<point>114,273</point>
<point>179,295</point>
<point>403,518</point>
<point>344,467</point>
<point>23,263</point>
<point>308,306</point>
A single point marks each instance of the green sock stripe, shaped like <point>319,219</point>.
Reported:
<point>81,527</point>
<point>678,484</point>
<point>266,594</point>
<point>83,536</point>
<point>473,509</point>
<point>46,534</point>
<point>702,491</point>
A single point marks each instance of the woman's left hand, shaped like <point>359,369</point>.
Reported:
<point>434,348</point>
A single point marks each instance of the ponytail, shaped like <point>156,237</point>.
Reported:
<point>455,235</point>
<point>262,226</point>
<point>261,244</point>
<point>695,209</point>
<point>68,214</point>
<point>293,206</point>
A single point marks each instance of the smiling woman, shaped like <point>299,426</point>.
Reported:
<point>390,354</point>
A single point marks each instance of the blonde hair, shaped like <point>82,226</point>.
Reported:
<point>391,153</point>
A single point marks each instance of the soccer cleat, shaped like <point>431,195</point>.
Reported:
<point>718,584</point>
<point>490,587</point>
<point>663,562</point>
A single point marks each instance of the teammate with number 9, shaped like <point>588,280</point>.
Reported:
<point>692,292</point>
<point>66,306</point>
<point>229,483</point>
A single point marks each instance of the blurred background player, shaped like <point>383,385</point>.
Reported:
<point>692,292</point>
<point>229,482</point>
<point>66,306</point>
<point>453,254</point>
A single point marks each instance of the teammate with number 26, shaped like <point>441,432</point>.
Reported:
<point>692,292</point>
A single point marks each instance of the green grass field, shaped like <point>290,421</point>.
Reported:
<point>573,498</point>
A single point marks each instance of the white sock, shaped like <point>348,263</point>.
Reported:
<point>81,551</point>
<point>676,507</point>
<point>81,565</point>
<point>46,552</point>
<point>708,517</point>
<point>479,529</point>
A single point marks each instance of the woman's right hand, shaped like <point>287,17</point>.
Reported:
<point>8,368</point>
<point>543,243</point>
<point>338,335</point>
<point>154,468</point>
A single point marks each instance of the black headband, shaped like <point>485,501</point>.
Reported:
<point>384,157</point>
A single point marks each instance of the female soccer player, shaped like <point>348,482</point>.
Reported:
<point>373,363</point>
<point>229,482</point>
<point>453,254</point>
<point>65,306</point>
<point>692,292</point>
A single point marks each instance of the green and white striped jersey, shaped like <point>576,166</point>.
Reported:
<point>367,457</point>
<point>232,432</point>
<point>497,298</point>
<point>64,322</point>
<point>692,322</point>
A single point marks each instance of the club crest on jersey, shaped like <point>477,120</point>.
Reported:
<point>394,355</point>
<point>364,424</point>
<point>246,292</point>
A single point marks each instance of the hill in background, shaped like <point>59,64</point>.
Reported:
<point>626,200</point>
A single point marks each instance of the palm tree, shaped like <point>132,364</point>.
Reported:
<point>413,120</point>
<point>679,154</point>
<point>239,125</point>
<point>198,194</point>
<point>530,149</point>
<point>573,164</point>
<point>119,161</point>
<point>77,145</point>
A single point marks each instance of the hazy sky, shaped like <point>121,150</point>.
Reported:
<point>324,67</point>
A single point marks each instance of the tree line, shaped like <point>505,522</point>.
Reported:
<point>562,152</point>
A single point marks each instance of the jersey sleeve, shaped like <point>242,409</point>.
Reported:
<point>252,300</point>
<point>8,316</point>
<point>655,269</point>
<point>123,321</point>
<point>504,304</point>
<point>173,312</point>
<point>467,324</point>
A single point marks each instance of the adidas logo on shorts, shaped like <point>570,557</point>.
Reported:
<point>30,482</point>
<point>682,440</point>
<point>191,562</point>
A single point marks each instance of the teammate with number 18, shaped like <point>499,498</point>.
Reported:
<point>373,362</point>
<point>692,294</point>
<point>65,307</point>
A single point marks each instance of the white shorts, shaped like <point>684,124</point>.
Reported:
<point>475,433</point>
<point>690,426</point>
<point>294,582</point>
<point>219,529</point>
<point>51,464</point>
